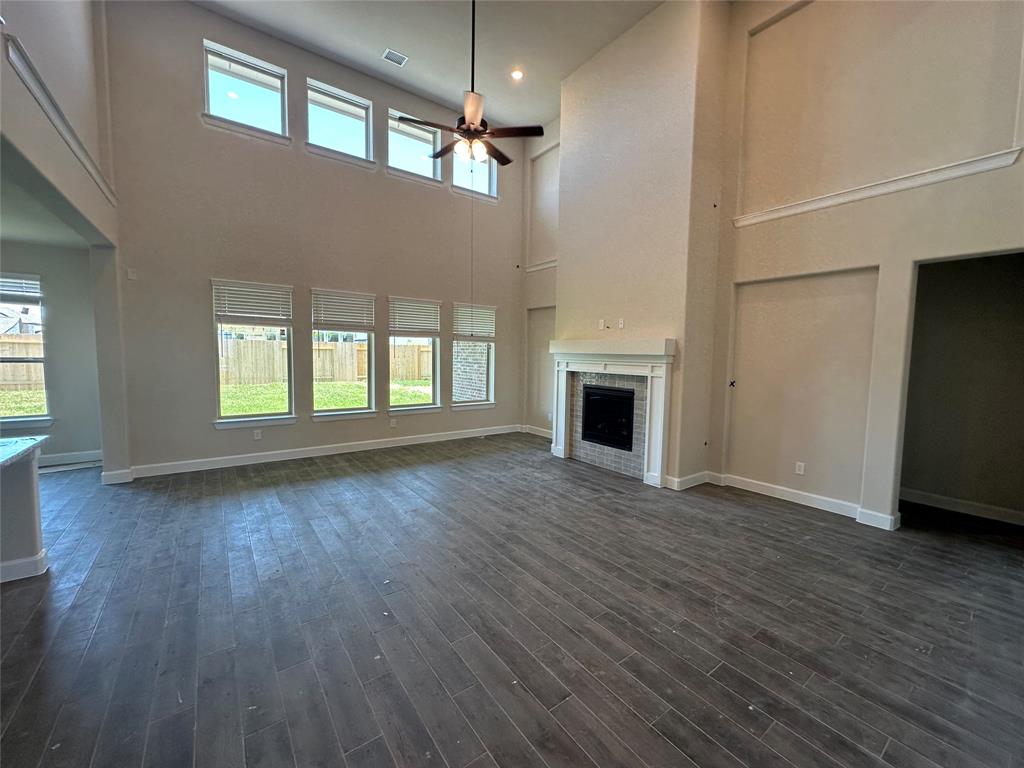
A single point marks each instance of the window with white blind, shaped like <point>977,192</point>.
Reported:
<point>254,329</point>
<point>342,351</point>
<point>415,327</point>
<point>473,335</point>
<point>22,375</point>
<point>338,120</point>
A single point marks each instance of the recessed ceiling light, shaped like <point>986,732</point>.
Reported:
<point>232,95</point>
<point>517,74</point>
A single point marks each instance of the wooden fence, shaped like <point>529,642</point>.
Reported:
<point>21,375</point>
<point>255,361</point>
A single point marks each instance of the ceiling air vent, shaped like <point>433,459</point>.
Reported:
<point>395,57</point>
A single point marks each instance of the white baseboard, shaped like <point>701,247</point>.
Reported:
<point>75,457</point>
<point>116,476</point>
<point>845,508</point>
<point>682,483</point>
<point>24,567</point>
<point>538,431</point>
<point>966,506</point>
<point>237,460</point>
<point>878,519</point>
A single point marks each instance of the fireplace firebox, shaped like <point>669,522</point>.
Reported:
<point>608,416</point>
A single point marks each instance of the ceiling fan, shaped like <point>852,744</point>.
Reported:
<point>472,130</point>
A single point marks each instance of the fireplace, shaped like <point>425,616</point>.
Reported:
<point>608,416</point>
<point>642,367</point>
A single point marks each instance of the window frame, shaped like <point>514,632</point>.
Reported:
<point>35,419</point>
<point>371,358</point>
<point>255,419</point>
<point>492,180</point>
<point>491,341</point>
<point>435,345</point>
<point>394,114</point>
<point>251,62</point>
<point>331,92</point>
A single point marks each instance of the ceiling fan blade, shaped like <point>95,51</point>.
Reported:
<point>473,108</point>
<point>511,133</point>
<point>445,150</point>
<point>427,123</point>
<point>497,154</point>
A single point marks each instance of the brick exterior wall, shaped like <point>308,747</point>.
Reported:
<point>469,370</point>
<point>624,462</point>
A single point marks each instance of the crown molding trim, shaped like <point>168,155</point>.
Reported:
<point>25,69</point>
<point>991,162</point>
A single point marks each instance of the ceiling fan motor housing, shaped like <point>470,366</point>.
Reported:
<point>473,108</point>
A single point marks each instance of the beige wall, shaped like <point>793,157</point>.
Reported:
<point>638,222</point>
<point>965,410</point>
<point>64,41</point>
<point>978,213</point>
<point>72,389</point>
<point>540,330</point>
<point>801,362</point>
<point>543,245</point>
<point>902,83</point>
<point>201,202</point>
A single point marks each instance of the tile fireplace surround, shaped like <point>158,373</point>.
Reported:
<point>650,359</point>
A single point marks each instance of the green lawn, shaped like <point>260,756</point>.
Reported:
<point>22,402</point>
<point>249,399</point>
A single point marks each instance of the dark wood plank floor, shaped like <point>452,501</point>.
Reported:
<point>479,603</point>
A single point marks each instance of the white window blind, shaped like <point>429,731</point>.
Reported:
<point>258,301</point>
<point>22,286</point>
<point>473,320</point>
<point>343,309</point>
<point>414,316</point>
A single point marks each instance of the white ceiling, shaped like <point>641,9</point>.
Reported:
<point>548,40</point>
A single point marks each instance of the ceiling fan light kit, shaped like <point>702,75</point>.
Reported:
<point>471,129</point>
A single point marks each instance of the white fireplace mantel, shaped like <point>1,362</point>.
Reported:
<point>649,358</point>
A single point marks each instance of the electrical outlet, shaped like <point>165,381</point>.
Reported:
<point>131,274</point>
<point>549,418</point>
<point>799,469</point>
<point>257,434</point>
<point>393,423</point>
<point>622,323</point>
<point>600,324</point>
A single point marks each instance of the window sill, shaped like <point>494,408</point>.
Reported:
<point>472,406</point>
<point>343,415</point>
<point>224,124</point>
<point>342,157</point>
<point>430,181</point>
<point>254,421</point>
<point>26,422</point>
<point>481,196</point>
<point>400,409</point>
